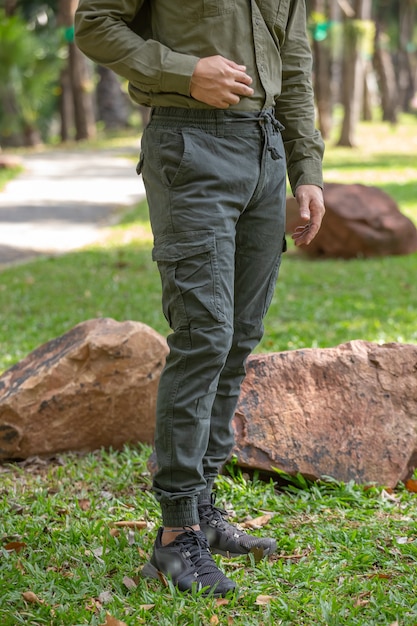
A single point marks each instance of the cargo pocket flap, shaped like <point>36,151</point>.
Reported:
<point>177,246</point>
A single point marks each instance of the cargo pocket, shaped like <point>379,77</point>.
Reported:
<point>189,271</point>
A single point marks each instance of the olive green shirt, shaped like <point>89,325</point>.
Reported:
<point>156,44</point>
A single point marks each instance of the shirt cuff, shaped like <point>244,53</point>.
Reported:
<point>177,73</point>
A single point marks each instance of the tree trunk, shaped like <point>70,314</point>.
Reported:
<point>84,117</point>
<point>384,69</point>
<point>322,74</point>
<point>406,85</point>
<point>112,103</point>
<point>367,97</point>
<point>76,81</point>
<point>66,108</point>
<point>353,72</point>
<point>10,7</point>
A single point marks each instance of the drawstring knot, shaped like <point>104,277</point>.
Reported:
<point>269,123</point>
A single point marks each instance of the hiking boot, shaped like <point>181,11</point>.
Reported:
<point>187,561</point>
<point>227,539</point>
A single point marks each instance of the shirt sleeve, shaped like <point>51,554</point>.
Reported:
<point>103,33</point>
<point>304,146</point>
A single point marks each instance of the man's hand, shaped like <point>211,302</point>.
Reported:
<point>311,205</point>
<point>220,82</point>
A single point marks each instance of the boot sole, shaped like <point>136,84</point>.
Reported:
<point>259,553</point>
<point>150,571</point>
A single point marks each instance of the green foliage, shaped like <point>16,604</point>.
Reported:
<point>8,173</point>
<point>30,62</point>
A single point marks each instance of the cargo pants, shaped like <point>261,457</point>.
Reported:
<point>216,187</point>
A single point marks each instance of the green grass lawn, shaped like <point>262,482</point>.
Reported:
<point>347,554</point>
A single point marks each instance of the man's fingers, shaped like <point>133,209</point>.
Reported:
<point>220,82</point>
<point>303,235</point>
<point>311,206</point>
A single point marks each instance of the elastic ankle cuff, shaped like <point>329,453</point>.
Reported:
<point>183,512</point>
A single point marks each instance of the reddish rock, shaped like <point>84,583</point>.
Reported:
<point>360,221</point>
<point>9,161</point>
<point>94,386</point>
<point>348,412</point>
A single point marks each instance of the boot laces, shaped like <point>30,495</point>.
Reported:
<point>195,547</point>
<point>214,516</point>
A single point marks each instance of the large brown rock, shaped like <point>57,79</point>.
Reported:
<point>93,386</point>
<point>360,221</point>
<point>349,412</point>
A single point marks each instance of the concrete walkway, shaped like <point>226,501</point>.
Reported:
<point>64,199</point>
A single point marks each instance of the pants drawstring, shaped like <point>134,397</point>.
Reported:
<point>269,124</point>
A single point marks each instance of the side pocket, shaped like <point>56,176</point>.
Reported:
<point>188,266</point>
<point>139,166</point>
<point>173,153</point>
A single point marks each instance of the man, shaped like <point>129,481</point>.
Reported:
<point>229,83</point>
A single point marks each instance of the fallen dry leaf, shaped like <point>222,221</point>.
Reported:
<point>221,602</point>
<point>257,553</point>
<point>361,599</point>
<point>305,552</point>
<point>214,620</point>
<point>262,600</point>
<point>31,597</point>
<point>162,579</point>
<point>93,605</point>
<point>257,522</point>
<point>129,582</point>
<point>380,575</point>
<point>84,504</point>
<point>147,607</point>
<point>15,546</point>
<point>411,485</point>
<point>131,539</point>
<point>141,552</point>
<point>387,494</point>
<point>112,621</point>
<point>105,597</point>
<point>130,524</point>
<point>19,565</point>
<point>402,540</point>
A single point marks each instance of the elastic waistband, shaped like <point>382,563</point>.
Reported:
<point>223,120</point>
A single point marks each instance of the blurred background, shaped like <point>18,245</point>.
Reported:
<point>365,68</point>
<point>76,133</point>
